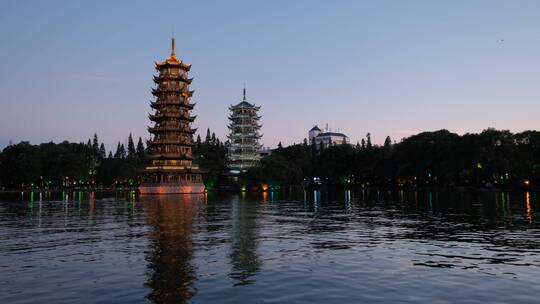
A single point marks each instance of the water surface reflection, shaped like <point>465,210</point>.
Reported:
<point>173,220</point>
<point>308,247</point>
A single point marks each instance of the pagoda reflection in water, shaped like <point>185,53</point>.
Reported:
<point>172,271</point>
<point>245,260</point>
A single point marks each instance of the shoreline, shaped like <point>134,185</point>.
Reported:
<point>283,188</point>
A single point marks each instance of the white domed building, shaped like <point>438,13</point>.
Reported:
<point>326,138</point>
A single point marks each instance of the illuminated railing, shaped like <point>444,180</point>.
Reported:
<point>165,167</point>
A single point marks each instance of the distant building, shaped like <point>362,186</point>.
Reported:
<point>265,151</point>
<point>326,138</point>
<point>244,136</point>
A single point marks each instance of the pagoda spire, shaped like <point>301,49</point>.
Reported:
<point>172,57</point>
<point>244,99</point>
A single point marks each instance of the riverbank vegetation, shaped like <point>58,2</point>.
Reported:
<point>88,165</point>
<point>492,158</point>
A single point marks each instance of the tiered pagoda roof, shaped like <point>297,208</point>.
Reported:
<point>244,135</point>
<point>170,167</point>
<point>172,135</point>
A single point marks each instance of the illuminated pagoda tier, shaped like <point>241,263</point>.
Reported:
<point>244,136</point>
<point>170,167</point>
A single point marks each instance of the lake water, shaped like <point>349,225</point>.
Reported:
<point>342,247</point>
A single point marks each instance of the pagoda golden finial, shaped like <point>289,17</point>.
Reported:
<point>172,57</point>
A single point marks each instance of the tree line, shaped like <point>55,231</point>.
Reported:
<point>60,165</point>
<point>497,158</point>
<point>492,158</point>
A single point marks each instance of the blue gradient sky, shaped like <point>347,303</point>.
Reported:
<point>72,68</point>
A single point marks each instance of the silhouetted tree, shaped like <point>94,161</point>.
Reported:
<point>131,152</point>
<point>140,149</point>
<point>388,142</point>
<point>102,151</point>
<point>120,151</point>
<point>95,144</point>
<point>208,137</point>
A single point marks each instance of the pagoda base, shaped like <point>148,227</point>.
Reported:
<point>172,188</point>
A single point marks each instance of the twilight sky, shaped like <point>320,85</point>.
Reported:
<point>72,68</point>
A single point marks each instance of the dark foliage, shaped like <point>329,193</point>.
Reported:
<point>440,158</point>
<point>67,164</point>
<point>493,157</point>
<point>211,156</point>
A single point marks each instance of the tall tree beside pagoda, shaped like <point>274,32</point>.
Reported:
<point>140,149</point>
<point>131,153</point>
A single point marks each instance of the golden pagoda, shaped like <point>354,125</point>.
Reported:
<point>170,167</point>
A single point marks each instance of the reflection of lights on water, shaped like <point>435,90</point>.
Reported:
<point>503,203</point>
<point>132,201</point>
<point>528,205</point>
<point>40,210</point>
<point>92,198</point>
<point>316,196</point>
<point>265,196</point>
<point>316,199</point>
<point>348,199</point>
